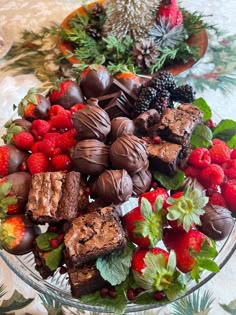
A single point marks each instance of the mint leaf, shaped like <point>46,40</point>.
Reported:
<point>204,107</point>
<point>115,267</point>
<point>225,130</point>
<point>170,182</point>
<point>43,241</point>
<point>201,136</point>
<point>53,259</point>
<point>232,142</point>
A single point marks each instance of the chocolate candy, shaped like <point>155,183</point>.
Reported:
<point>130,153</point>
<point>121,126</point>
<point>90,157</point>
<point>113,186</point>
<point>217,222</point>
<point>92,122</point>
<point>141,182</point>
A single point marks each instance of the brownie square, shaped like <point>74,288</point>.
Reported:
<point>164,156</point>
<point>56,196</point>
<point>146,120</point>
<point>93,235</point>
<point>192,110</point>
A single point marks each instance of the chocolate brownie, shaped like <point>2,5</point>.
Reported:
<point>85,279</point>
<point>192,110</point>
<point>164,156</point>
<point>40,263</point>
<point>56,196</point>
<point>93,235</point>
<point>146,120</point>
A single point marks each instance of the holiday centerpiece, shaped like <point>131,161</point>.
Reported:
<point>138,36</point>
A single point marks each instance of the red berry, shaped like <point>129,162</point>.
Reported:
<point>54,243</point>
<point>112,293</point>
<point>4,155</point>
<point>151,196</point>
<point>200,158</point>
<point>217,199</point>
<point>55,110</point>
<point>229,193</point>
<point>67,140</point>
<point>37,163</point>
<point>192,172</point>
<point>40,128</point>
<point>104,292</point>
<point>35,147</point>
<point>63,270</point>
<point>130,294</point>
<point>211,175</point>
<point>159,295</point>
<point>23,140</point>
<point>219,152</point>
<point>211,124</point>
<point>61,162</point>
<point>233,154</point>
<point>62,120</point>
<point>229,169</point>
<point>76,107</point>
<point>49,148</point>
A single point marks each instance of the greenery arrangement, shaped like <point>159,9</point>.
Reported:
<point>109,36</point>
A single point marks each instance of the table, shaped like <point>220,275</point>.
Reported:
<point>214,78</point>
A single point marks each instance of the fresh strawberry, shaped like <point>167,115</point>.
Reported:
<point>62,121</point>
<point>17,235</point>
<point>66,93</point>
<point>4,156</point>
<point>185,208</point>
<point>61,162</point>
<point>151,196</point>
<point>144,223</point>
<point>155,270</point>
<point>34,106</point>
<point>23,140</point>
<point>169,11</point>
<point>194,251</point>
<point>229,193</point>
<point>37,163</point>
<point>55,110</point>
<point>67,140</point>
<point>40,128</point>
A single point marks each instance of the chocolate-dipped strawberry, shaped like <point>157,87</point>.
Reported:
<point>121,126</point>
<point>141,182</point>
<point>11,160</point>
<point>95,80</point>
<point>90,157</point>
<point>14,190</point>
<point>131,81</point>
<point>14,127</point>
<point>113,187</point>
<point>217,222</point>
<point>92,122</point>
<point>66,93</point>
<point>129,152</point>
<point>17,234</point>
<point>34,106</point>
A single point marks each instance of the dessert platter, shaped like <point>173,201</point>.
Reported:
<point>106,183</point>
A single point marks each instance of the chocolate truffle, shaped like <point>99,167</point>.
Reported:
<point>217,222</point>
<point>95,81</point>
<point>141,182</point>
<point>130,153</point>
<point>113,186</point>
<point>121,126</point>
<point>90,157</point>
<point>91,122</point>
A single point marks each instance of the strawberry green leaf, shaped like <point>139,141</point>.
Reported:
<point>225,130</point>
<point>195,273</point>
<point>170,182</point>
<point>208,264</point>
<point>208,250</point>
<point>115,267</point>
<point>54,258</point>
<point>201,136</point>
<point>146,208</point>
<point>43,241</point>
<point>204,107</point>
<point>171,265</point>
<point>5,188</point>
<point>158,205</point>
<point>177,288</point>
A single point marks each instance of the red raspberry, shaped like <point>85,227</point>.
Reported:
<point>217,199</point>
<point>37,163</point>
<point>211,124</point>
<point>49,148</point>
<point>229,169</point>
<point>76,107</point>
<point>233,154</point>
<point>4,156</point>
<point>192,172</point>
<point>61,162</point>
<point>67,140</point>
<point>55,110</point>
<point>200,158</point>
<point>219,152</point>
<point>229,193</point>
<point>35,147</point>
<point>211,175</point>
<point>62,120</point>
<point>23,140</point>
<point>40,128</point>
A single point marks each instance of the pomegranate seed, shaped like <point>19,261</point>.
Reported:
<point>52,229</point>
<point>60,238</point>
<point>54,243</point>
<point>63,270</point>
<point>103,292</point>
<point>130,294</point>
<point>211,124</point>
<point>156,140</point>
<point>112,293</point>
<point>23,167</point>
<point>137,291</point>
<point>159,295</point>
<point>154,185</point>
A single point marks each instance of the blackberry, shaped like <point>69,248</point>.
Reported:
<point>163,81</point>
<point>146,98</point>
<point>162,101</point>
<point>183,94</point>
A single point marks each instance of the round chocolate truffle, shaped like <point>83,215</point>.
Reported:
<point>90,157</point>
<point>141,182</point>
<point>91,122</point>
<point>217,222</point>
<point>95,81</point>
<point>113,186</point>
<point>129,152</point>
<point>121,126</point>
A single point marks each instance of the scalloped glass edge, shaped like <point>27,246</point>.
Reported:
<point>225,248</point>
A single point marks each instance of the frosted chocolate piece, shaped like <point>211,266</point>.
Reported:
<point>93,235</point>
<point>90,157</point>
<point>141,182</point>
<point>164,156</point>
<point>217,222</point>
<point>118,86</point>
<point>113,187</point>
<point>192,110</point>
<point>56,196</point>
<point>146,120</point>
<point>92,122</point>
<point>121,126</point>
<point>130,153</point>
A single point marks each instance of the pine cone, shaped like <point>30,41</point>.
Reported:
<point>97,11</point>
<point>145,53</point>
<point>94,31</point>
